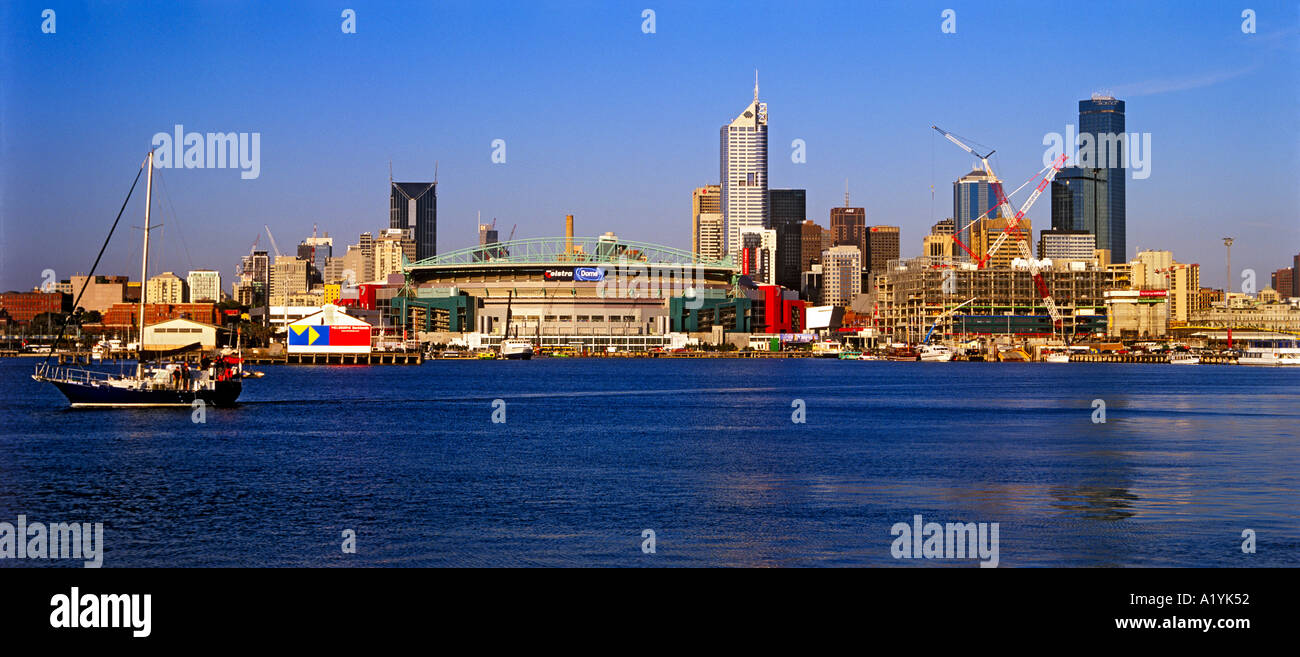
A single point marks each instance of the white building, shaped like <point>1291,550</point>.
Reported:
<point>711,236</point>
<point>744,172</point>
<point>165,288</point>
<point>204,285</point>
<point>178,333</point>
<point>841,275</point>
<point>1066,245</point>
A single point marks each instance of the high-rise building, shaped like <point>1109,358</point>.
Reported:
<point>1081,202</point>
<point>165,288</point>
<point>704,200</point>
<point>789,209</point>
<point>413,206</point>
<point>939,244</point>
<point>1067,245</point>
<point>1149,269</point>
<point>812,241</point>
<point>204,285</point>
<point>488,235</point>
<point>1102,117</point>
<point>290,276</point>
<point>841,275</point>
<point>988,231</point>
<point>972,195</point>
<point>1184,291</point>
<point>316,251</point>
<point>1284,282</point>
<point>758,255</point>
<point>849,227</point>
<point>744,172</point>
<point>390,246</point>
<point>711,236</point>
<point>882,246</point>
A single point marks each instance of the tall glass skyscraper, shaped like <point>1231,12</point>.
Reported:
<point>1103,118</point>
<point>972,195</point>
<point>415,205</point>
<point>1081,201</point>
<point>743,173</point>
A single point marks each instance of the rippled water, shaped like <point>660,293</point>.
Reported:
<point>704,452</point>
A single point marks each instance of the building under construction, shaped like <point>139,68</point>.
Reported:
<point>1004,302</point>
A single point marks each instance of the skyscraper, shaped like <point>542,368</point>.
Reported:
<point>789,209</point>
<point>414,207</point>
<point>972,195</point>
<point>758,255</point>
<point>1102,117</point>
<point>841,275</point>
<point>204,285</point>
<point>744,172</point>
<point>1080,202</point>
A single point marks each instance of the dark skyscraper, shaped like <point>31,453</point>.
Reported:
<point>415,206</point>
<point>1103,118</point>
<point>1081,201</point>
<point>788,211</point>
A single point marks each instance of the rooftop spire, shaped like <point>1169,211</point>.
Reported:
<point>755,85</point>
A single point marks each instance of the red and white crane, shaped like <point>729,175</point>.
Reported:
<point>1013,218</point>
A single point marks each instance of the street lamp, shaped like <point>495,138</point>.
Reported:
<point>1227,242</point>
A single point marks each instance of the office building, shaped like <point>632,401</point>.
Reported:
<point>704,200</point>
<point>711,236</point>
<point>204,285</point>
<point>882,246</point>
<point>1081,202</point>
<point>939,243</point>
<point>743,172</point>
<point>758,251</point>
<point>972,195</point>
<point>788,209</point>
<point>1067,245</point>
<point>413,206</point>
<point>841,275</point>
<point>290,276</point>
<point>100,293</point>
<point>985,234</point>
<point>1103,117</point>
<point>390,247</point>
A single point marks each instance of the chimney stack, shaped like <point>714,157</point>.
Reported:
<point>568,234</point>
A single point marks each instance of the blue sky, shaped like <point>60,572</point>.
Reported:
<point>616,126</point>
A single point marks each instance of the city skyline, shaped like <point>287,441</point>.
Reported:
<point>59,127</point>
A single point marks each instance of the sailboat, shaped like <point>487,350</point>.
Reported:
<point>217,383</point>
<point>515,348</point>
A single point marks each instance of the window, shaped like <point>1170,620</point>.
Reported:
<point>565,318</point>
<point>583,318</point>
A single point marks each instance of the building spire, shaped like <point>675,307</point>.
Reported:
<point>755,85</point>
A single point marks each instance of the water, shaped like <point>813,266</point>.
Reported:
<point>704,452</point>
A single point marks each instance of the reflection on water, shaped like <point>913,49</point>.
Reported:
<point>1092,502</point>
<point>703,452</point>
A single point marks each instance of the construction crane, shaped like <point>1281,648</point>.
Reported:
<point>1013,218</point>
<point>273,245</point>
<point>941,317</point>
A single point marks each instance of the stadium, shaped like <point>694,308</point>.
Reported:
<point>567,292</point>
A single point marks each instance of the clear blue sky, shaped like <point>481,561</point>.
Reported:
<point>616,126</point>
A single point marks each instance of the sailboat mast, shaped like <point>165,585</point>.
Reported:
<point>144,266</point>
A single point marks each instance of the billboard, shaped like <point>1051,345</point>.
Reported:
<point>590,274</point>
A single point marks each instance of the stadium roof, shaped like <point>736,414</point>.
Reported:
<point>557,251</point>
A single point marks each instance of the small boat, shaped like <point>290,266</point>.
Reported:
<point>1184,358</point>
<point>487,354</point>
<point>936,353</point>
<point>902,354</point>
<point>1057,357</point>
<point>826,349</point>
<point>850,355</point>
<point>1013,355</point>
<point>516,349</point>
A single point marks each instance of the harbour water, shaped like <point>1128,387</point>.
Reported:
<point>704,452</point>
